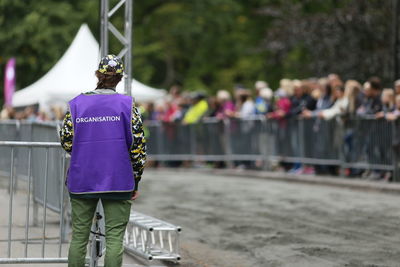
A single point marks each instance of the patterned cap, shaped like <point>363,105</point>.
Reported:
<point>111,64</point>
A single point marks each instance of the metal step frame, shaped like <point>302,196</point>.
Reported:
<point>152,239</point>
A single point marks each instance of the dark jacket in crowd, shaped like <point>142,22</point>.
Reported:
<point>302,103</point>
<point>370,106</point>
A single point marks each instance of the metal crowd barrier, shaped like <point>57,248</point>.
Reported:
<point>42,166</point>
<point>40,233</point>
<point>359,143</point>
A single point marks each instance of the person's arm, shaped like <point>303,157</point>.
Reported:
<point>67,133</point>
<point>138,149</point>
<point>339,108</point>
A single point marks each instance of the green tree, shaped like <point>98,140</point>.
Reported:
<point>211,44</point>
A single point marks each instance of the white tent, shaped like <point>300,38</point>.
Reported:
<point>74,74</point>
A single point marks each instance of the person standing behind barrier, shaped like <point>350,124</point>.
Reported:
<point>104,134</point>
<point>264,95</point>
<point>197,110</point>
<point>371,102</point>
<point>397,87</point>
<point>300,101</point>
<point>395,114</point>
<point>371,105</point>
<point>226,105</point>
<point>388,103</point>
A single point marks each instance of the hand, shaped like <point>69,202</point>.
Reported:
<point>379,115</point>
<point>306,113</point>
<point>391,117</point>
<point>135,195</point>
<point>280,113</point>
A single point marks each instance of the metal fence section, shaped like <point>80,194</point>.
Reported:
<point>308,141</point>
<point>358,143</point>
<point>39,234</point>
<point>14,130</point>
<point>151,238</point>
<point>43,167</point>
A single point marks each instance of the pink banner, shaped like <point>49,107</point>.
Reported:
<point>9,82</point>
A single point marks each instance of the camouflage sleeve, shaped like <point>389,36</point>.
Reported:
<point>67,133</point>
<point>138,149</point>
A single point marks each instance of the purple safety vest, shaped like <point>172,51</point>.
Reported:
<point>100,159</point>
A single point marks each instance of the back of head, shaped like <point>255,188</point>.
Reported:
<point>266,93</point>
<point>287,86</point>
<point>110,72</point>
<point>387,95</point>
<point>223,95</point>
<point>375,83</point>
<point>352,88</point>
<point>260,85</point>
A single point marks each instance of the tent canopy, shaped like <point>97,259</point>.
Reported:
<point>74,74</point>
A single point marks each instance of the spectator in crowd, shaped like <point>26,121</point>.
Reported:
<point>397,87</point>
<point>396,112</point>
<point>30,114</point>
<point>43,116</point>
<point>388,103</point>
<point>282,105</point>
<point>183,106</point>
<point>172,101</point>
<point>56,112</point>
<point>8,113</point>
<point>213,107</point>
<point>226,105</point>
<point>170,110</point>
<point>287,86</point>
<point>246,106</point>
<point>264,95</point>
<point>371,102</point>
<point>174,94</point>
<point>149,113</point>
<point>334,80</point>
<point>370,106</point>
<point>197,110</point>
<point>301,100</point>
<point>324,99</point>
<point>345,100</point>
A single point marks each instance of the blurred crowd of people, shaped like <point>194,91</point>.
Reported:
<point>324,98</point>
<point>32,114</point>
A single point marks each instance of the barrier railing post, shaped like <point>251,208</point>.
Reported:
<point>265,151</point>
<point>45,202</point>
<point>28,201</point>
<point>193,140</point>
<point>342,159</point>
<point>395,151</point>
<point>301,137</point>
<point>63,234</point>
<point>18,137</point>
<point>228,148</point>
<point>160,139</point>
<point>10,204</point>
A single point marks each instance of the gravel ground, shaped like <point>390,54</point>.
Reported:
<point>242,221</point>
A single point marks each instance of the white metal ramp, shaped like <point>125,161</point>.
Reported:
<point>151,238</point>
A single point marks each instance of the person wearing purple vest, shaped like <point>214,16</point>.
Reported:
<point>103,132</point>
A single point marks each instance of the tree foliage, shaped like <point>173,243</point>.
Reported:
<point>211,44</point>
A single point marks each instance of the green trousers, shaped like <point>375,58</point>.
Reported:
<point>116,215</point>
